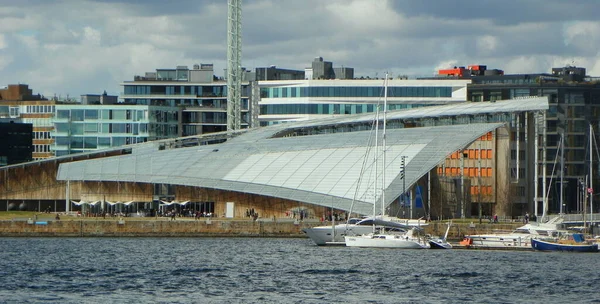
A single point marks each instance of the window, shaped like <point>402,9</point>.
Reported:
<point>14,111</point>
<point>77,115</point>
<point>520,191</point>
<point>91,128</point>
<point>63,114</point>
<point>91,114</point>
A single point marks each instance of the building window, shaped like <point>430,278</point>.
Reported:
<point>520,191</point>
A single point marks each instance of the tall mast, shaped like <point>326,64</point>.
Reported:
<point>376,163</point>
<point>385,94</point>
<point>562,169</point>
<point>591,190</point>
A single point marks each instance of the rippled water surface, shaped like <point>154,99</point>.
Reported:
<point>253,270</point>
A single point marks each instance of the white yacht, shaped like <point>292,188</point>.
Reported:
<point>520,237</point>
<point>334,234</point>
<point>386,238</point>
<point>406,240</point>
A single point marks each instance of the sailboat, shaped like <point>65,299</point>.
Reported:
<point>575,242</point>
<point>384,238</point>
<point>441,243</point>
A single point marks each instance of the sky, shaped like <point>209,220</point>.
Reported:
<point>73,47</point>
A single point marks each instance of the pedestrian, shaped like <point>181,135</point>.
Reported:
<point>527,218</point>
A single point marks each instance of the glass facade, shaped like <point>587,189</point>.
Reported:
<point>339,91</point>
<point>204,105</point>
<point>328,108</point>
<point>191,90</point>
<point>81,128</point>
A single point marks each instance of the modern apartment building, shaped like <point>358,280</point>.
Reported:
<point>18,101</point>
<point>574,115</point>
<point>200,97</point>
<point>83,128</point>
<point>296,100</point>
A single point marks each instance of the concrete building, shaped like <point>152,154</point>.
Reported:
<point>18,101</point>
<point>321,69</point>
<point>200,96</point>
<point>95,99</point>
<point>274,73</point>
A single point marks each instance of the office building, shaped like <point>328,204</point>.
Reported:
<point>18,101</point>
<point>295,100</point>
<point>200,96</point>
<point>83,128</point>
<point>573,115</point>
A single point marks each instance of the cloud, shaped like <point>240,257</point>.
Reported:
<point>78,47</point>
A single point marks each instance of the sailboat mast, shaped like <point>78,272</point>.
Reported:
<point>375,162</point>
<point>591,190</point>
<point>385,95</point>
<point>562,169</point>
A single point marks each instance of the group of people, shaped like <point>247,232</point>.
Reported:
<point>252,214</point>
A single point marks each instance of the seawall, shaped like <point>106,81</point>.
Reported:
<point>200,228</point>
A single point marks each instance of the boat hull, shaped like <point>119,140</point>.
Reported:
<point>324,236</point>
<point>499,241</point>
<point>439,244</point>
<point>542,245</point>
<point>385,241</point>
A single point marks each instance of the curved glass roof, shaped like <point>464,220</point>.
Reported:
<point>339,170</point>
<point>330,170</point>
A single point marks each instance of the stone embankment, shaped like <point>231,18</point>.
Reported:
<point>162,227</point>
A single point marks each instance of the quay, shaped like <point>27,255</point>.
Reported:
<point>30,224</point>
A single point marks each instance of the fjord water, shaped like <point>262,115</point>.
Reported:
<point>269,270</point>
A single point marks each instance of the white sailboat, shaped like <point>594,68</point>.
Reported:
<point>384,238</point>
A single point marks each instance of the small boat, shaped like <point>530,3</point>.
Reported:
<point>575,243</point>
<point>441,243</point>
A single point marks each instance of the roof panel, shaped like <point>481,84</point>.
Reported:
<point>320,169</point>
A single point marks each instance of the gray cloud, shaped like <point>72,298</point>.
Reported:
<point>77,47</point>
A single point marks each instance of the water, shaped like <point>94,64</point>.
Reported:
<point>253,270</point>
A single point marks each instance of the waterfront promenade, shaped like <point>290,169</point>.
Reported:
<point>30,224</point>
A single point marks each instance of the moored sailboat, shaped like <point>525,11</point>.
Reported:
<point>572,243</point>
<point>383,238</point>
<point>441,243</point>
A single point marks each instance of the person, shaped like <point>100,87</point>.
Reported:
<point>495,218</point>
<point>527,218</point>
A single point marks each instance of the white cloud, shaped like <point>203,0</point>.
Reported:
<point>5,61</point>
<point>363,16</point>
<point>86,46</point>
<point>487,43</point>
<point>91,36</point>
